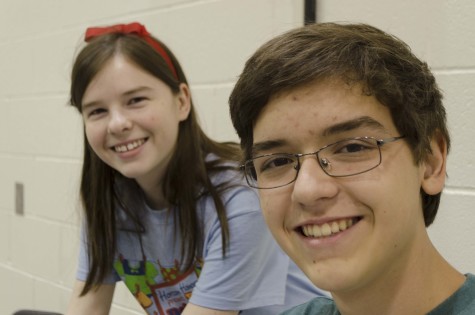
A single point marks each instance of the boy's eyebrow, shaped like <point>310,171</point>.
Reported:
<point>352,124</point>
<point>126,93</point>
<point>266,146</point>
<point>363,121</point>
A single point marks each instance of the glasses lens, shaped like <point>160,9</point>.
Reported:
<point>343,158</point>
<point>350,157</point>
<point>270,171</point>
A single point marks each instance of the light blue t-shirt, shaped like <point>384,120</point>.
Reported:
<point>255,277</point>
<point>462,302</point>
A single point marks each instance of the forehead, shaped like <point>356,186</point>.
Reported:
<point>119,64</point>
<point>106,79</point>
<point>316,109</point>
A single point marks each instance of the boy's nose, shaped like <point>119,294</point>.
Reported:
<point>312,183</point>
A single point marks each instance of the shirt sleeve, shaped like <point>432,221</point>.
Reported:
<point>253,273</point>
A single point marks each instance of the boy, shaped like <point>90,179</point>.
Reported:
<point>344,134</point>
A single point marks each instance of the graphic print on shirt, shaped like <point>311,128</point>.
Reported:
<point>160,290</point>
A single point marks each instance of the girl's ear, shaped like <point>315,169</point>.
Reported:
<point>184,101</point>
<point>434,166</point>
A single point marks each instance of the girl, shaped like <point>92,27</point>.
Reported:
<point>165,209</point>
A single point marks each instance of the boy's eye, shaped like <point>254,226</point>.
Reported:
<point>352,146</point>
<point>275,162</point>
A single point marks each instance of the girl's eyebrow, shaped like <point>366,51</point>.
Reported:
<point>138,89</point>
<point>345,126</point>
<point>126,93</point>
<point>84,106</point>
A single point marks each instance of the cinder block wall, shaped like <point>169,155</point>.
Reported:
<point>441,33</point>
<point>41,137</point>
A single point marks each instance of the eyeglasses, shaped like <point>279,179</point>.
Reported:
<point>347,157</point>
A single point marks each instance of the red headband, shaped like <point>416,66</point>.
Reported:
<point>132,28</point>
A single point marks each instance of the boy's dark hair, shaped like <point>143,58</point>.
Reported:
<point>356,54</point>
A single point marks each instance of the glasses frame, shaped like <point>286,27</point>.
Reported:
<point>379,144</point>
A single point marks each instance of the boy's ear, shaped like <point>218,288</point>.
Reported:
<point>434,166</point>
<point>184,101</point>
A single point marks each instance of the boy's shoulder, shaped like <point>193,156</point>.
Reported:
<point>462,302</point>
<point>316,306</point>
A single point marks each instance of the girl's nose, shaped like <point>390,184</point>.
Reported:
<point>119,122</point>
<point>312,183</point>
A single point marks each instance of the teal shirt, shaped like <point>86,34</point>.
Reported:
<point>462,302</point>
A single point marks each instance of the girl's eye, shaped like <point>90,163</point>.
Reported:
<point>136,100</point>
<point>96,112</point>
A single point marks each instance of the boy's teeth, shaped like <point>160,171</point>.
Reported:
<point>342,224</point>
<point>326,229</point>
<point>335,227</point>
<point>316,230</point>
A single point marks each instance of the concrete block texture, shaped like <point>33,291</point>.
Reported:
<point>438,32</point>
<point>41,136</point>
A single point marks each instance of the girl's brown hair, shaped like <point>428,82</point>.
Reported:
<point>187,177</point>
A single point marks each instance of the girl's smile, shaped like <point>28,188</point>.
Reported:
<point>132,123</point>
<point>128,146</point>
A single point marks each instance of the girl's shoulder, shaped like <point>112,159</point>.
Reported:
<point>225,171</point>
<point>232,186</point>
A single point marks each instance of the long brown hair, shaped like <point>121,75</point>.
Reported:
<point>187,176</point>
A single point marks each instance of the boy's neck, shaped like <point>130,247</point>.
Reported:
<point>419,285</point>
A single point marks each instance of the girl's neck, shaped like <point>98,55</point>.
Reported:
<point>156,203</point>
<point>153,194</point>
